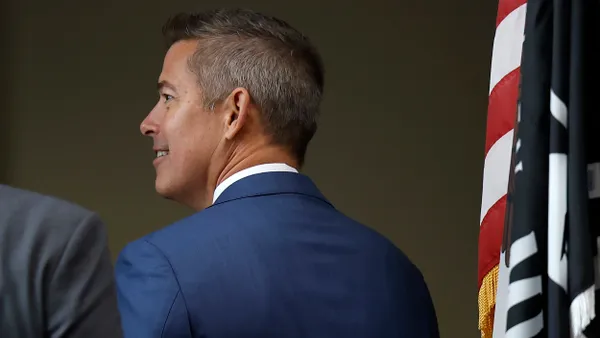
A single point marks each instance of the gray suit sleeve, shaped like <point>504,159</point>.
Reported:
<point>81,294</point>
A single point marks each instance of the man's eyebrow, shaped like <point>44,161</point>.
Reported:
<point>165,84</point>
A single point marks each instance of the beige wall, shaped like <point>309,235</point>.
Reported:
<point>400,144</point>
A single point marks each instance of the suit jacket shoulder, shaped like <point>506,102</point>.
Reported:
<point>58,274</point>
<point>17,205</point>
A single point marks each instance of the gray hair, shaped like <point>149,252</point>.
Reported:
<point>279,67</point>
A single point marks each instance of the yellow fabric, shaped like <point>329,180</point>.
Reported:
<point>487,302</point>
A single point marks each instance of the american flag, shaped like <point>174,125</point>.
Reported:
<point>548,287</point>
<point>502,107</point>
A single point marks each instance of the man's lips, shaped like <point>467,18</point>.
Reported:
<point>160,156</point>
<point>161,153</point>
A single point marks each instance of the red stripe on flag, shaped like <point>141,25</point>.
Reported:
<point>490,238</point>
<point>505,7</point>
<point>502,108</point>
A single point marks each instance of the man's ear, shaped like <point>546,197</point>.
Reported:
<point>236,109</point>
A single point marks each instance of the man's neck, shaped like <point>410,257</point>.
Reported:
<point>272,156</point>
<point>257,169</point>
<point>243,160</point>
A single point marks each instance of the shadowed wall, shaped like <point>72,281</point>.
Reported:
<point>6,107</point>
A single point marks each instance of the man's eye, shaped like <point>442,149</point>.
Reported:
<point>167,97</point>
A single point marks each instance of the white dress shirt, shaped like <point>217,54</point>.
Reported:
<point>257,169</point>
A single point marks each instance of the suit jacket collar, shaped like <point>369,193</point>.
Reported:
<point>271,183</point>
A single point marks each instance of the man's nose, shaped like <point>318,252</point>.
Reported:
<point>148,127</point>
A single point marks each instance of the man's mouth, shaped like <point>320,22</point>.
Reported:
<point>161,153</point>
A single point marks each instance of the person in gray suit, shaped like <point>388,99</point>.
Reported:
<point>56,274</point>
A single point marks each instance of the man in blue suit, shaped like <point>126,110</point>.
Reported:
<point>266,255</point>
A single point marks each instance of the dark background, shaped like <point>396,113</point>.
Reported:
<point>399,147</point>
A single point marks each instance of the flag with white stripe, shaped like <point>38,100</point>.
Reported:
<point>553,209</point>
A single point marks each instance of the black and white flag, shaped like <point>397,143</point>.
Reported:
<point>554,194</point>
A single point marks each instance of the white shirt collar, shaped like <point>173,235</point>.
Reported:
<point>257,169</point>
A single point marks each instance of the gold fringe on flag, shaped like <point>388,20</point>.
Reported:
<point>487,302</point>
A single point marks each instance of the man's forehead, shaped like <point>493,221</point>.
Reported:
<point>176,62</point>
<point>179,52</point>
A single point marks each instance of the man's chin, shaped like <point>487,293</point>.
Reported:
<point>164,190</point>
<point>169,192</point>
<point>178,195</point>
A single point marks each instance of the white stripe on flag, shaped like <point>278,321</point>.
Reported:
<point>557,211</point>
<point>521,249</point>
<point>558,109</point>
<point>524,289</point>
<point>500,313</point>
<point>496,172</point>
<point>528,328</point>
<point>508,43</point>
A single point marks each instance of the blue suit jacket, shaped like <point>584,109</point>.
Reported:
<point>271,258</point>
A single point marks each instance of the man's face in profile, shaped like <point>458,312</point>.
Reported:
<point>185,134</point>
